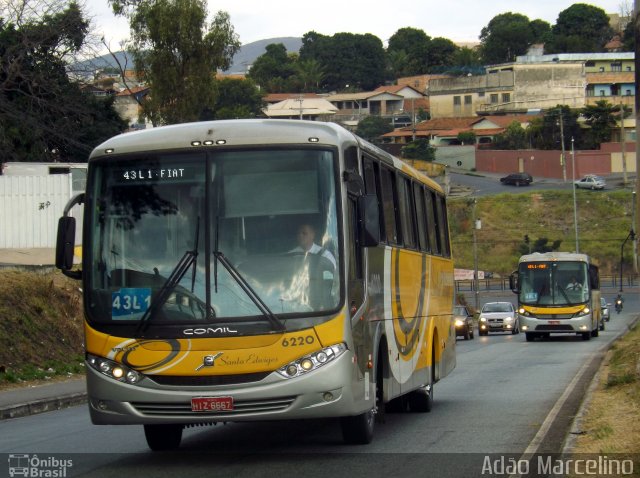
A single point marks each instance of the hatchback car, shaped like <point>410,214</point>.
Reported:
<point>498,317</point>
<point>517,179</point>
<point>591,181</point>
<point>463,321</point>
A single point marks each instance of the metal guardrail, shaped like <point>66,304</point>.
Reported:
<point>502,284</point>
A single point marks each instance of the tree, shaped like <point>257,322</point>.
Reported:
<point>372,127</point>
<point>467,137</point>
<point>545,132</point>
<point>310,74</point>
<point>351,61</point>
<point>273,64</point>
<point>441,54</point>
<point>419,149</point>
<point>601,119</point>
<point>580,28</point>
<point>514,137</point>
<point>506,36</point>
<point>43,115</point>
<point>408,49</point>
<point>178,54</point>
<point>539,245</point>
<point>235,99</point>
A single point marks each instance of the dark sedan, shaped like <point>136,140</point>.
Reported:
<point>517,179</point>
<point>463,320</point>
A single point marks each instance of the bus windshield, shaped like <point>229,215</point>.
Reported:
<point>554,283</point>
<point>219,234</point>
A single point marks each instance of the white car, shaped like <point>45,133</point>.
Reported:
<point>591,181</point>
<point>498,317</point>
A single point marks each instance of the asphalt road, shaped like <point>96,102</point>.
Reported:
<point>505,397</point>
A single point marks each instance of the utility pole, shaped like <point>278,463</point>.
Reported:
<point>636,20</point>
<point>476,225</point>
<point>623,146</point>
<point>575,204</point>
<point>563,159</point>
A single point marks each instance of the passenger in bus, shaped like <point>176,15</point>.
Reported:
<point>306,237</point>
<point>574,284</point>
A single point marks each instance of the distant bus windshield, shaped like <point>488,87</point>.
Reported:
<point>554,283</point>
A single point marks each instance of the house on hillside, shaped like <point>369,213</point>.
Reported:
<point>445,131</point>
<point>315,109</point>
<point>127,105</point>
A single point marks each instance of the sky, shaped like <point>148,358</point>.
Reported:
<point>458,20</point>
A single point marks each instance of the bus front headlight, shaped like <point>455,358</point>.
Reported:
<point>114,370</point>
<point>313,361</point>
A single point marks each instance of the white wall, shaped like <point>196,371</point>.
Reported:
<point>30,207</point>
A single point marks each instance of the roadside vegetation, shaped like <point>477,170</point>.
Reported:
<point>544,217</point>
<point>611,423</point>
<point>41,332</point>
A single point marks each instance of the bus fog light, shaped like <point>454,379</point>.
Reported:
<point>327,396</point>
<point>583,327</point>
<point>524,327</point>
<point>102,405</point>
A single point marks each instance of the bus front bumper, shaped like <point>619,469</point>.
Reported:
<point>330,391</point>
<point>540,324</point>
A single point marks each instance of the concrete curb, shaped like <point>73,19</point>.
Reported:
<point>20,410</point>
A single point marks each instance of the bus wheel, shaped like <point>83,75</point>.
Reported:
<point>163,437</point>
<point>421,400</point>
<point>358,430</point>
<point>595,332</point>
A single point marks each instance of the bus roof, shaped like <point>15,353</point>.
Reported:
<point>246,132</point>
<point>555,256</point>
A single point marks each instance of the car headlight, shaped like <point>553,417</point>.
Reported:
<point>313,361</point>
<point>508,319</point>
<point>483,319</point>
<point>459,323</point>
<point>114,370</point>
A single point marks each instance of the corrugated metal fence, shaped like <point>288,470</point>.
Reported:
<point>30,207</point>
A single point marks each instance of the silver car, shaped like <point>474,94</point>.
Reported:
<point>498,317</point>
<point>591,181</point>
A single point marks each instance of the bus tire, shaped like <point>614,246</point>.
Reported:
<point>163,437</point>
<point>421,400</point>
<point>358,430</point>
<point>595,332</point>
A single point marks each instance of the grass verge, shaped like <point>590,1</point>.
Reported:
<point>611,422</point>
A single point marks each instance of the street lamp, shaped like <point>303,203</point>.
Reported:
<point>632,236</point>
<point>575,205</point>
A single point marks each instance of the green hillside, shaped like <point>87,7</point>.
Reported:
<point>604,221</point>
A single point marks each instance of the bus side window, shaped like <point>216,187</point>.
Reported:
<point>355,283</point>
<point>423,238</point>
<point>443,228</point>
<point>431,222</point>
<point>371,170</point>
<point>407,213</point>
<point>389,205</point>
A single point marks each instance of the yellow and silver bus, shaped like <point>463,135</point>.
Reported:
<point>202,305</point>
<point>558,292</point>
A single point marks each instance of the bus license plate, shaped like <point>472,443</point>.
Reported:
<point>212,404</point>
<point>554,322</point>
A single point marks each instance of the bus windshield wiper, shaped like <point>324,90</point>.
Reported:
<point>244,285</point>
<point>188,260</point>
